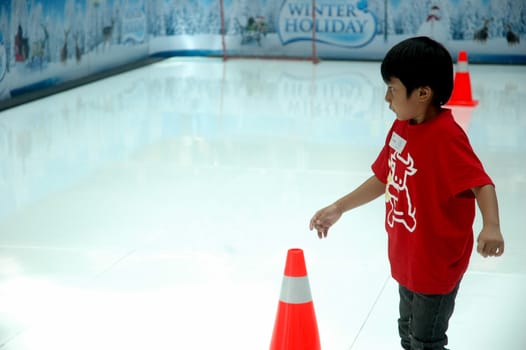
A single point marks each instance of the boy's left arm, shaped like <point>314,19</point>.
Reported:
<point>490,241</point>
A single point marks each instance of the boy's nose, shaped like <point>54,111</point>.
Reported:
<point>387,96</point>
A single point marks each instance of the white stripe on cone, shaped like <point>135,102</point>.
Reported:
<point>462,66</point>
<point>295,290</point>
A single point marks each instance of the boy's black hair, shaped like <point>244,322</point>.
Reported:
<point>419,62</point>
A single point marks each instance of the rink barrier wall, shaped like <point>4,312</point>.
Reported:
<point>49,48</point>
<point>30,93</point>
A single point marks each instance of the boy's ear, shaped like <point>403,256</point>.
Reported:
<point>425,93</point>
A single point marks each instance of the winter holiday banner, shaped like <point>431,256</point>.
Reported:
<point>49,42</point>
<point>490,30</point>
<point>345,24</point>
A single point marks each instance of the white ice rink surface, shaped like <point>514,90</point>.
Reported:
<point>154,209</point>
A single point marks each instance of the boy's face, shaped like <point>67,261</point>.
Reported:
<point>405,108</point>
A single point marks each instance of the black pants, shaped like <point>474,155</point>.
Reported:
<point>424,319</point>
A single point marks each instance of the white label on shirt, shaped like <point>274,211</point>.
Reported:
<point>397,142</point>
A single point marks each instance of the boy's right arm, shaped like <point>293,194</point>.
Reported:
<point>324,218</point>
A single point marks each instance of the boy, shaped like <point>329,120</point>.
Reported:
<point>431,178</point>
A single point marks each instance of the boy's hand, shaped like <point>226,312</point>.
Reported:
<point>490,241</point>
<point>324,219</point>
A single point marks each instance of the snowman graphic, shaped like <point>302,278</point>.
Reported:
<point>435,25</point>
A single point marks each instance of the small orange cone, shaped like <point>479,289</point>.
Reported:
<point>295,327</point>
<point>461,95</point>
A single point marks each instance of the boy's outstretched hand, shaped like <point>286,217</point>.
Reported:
<point>324,219</point>
<point>490,241</point>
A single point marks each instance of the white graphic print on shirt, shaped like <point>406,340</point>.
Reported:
<point>399,205</point>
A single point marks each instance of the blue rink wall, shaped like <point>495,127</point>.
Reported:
<point>53,44</point>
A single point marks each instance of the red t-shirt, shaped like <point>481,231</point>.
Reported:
<point>429,169</point>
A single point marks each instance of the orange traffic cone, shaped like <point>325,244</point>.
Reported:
<point>295,327</point>
<point>461,95</point>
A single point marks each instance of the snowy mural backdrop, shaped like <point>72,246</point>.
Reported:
<point>46,43</point>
